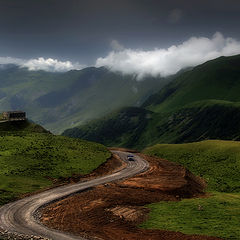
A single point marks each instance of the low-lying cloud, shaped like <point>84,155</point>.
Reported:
<point>156,62</point>
<point>45,64</point>
<point>10,60</point>
<point>164,62</point>
<point>51,65</point>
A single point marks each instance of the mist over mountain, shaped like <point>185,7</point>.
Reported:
<point>201,103</point>
<point>59,100</point>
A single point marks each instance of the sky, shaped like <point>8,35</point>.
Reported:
<point>131,36</point>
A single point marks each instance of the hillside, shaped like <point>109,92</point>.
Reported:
<point>209,119</point>
<point>33,161</point>
<point>216,161</point>
<point>201,103</point>
<point>218,79</point>
<point>138,128</point>
<point>21,126</point>
<point>61,100</point>
<point>216,215</point>
<point>120,128</point>
<point>31,158</point>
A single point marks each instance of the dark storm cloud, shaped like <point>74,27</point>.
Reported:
<point>81,31</point>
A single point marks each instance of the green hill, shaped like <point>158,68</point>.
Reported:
<point>218,162</point>
<point>201,103</point>
<point>35,161</point>
<point>61,100</point>
<point>32,159</point>
<point>208,119</point>
<point>120,128</point>
<point>21,126</point>
<point>218,79</point>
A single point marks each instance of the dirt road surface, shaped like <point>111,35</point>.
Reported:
<point>114,211</point>
<point>20,217</point>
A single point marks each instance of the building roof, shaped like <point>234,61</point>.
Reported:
<point>14,112</point>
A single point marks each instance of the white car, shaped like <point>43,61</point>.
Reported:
<point>130,157</point>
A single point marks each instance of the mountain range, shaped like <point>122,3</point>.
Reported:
<point>62,100</point>
<point>197,104</point>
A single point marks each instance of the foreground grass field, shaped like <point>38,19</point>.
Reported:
<point>219,215</point>
<point>218,162</point>
<point>29,162</point>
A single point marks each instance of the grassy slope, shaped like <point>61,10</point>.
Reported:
<point>208,119</point>
<point>21,126</point>
<point>120,128</point>
<point>219,163</point>
<point>219,216</point>
<point>31,160</point>
<point>202,103</point>
<point>217,79</point>
<point>216,161</point>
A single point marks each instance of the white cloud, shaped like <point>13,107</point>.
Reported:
<point>10,60</point>
<point>164,62</point>
<point>175,15</point>
<point>158,61</point>
<point>51,65</point>
<point>48,64</point>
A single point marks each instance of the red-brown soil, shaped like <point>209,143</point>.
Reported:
<point>112,211</point>
<point>112,165</point>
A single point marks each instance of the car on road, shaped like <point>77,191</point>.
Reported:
<point>130,157</point>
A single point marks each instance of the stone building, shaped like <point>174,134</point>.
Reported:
<point>14,115</point>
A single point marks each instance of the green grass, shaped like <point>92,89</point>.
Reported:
<point>20,127</point>
<point>216,79</point>
<point>120,128</point>
<point>220,216</point>
<point>137,128</point>
<point>207,119</point>
<point>218,162</point>
<point>29,161</point>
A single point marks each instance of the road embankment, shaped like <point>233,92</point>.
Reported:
<point>113,211</point>
<point>19,217</point>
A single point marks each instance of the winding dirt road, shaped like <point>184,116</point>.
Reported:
<point>20,217</point>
